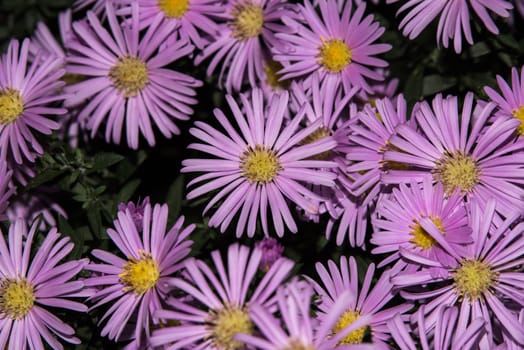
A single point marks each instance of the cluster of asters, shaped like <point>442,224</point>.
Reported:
<point>314,131</point>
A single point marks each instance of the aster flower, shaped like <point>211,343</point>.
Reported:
<point>364,301</point>
<point>454,21</point>
<point>29,287</point>
<point>127,86</point>
<point>136,285</point>
<point>511,102</point>
<point>337,46</point>
<point>271,252</point>
<point>221,302</point>
<point>420,218</point>
<point>461,151</point>
<point>244,41</point>
<point>482,280</point>
<point>259,167</point>
<point>6,188</point>
<point>444,335</point>
<point>26,93</point>
<point>300,330</point>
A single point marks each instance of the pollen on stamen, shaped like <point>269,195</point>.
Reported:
<point>260,164</point>
<point>473,278</point>
<point>421,238</point>
<point>129,75</point>
<point>226,323</point>
<point>248,20</point>
<point>519,114</point>
<point>457,171</point>
<point>17,298</point>
<point>334,55</point>
<point>347,318</point>
<point>140,275</point>
<point>174,8</point>
<point>11,106</point>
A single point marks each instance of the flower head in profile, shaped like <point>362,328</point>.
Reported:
<point>271,252</point>
<point>126,84</point>
<point>482,281</point>
<point>135,285</point>
<point>454,21</point>
<point>32,285</point>
<point>221,300</point>
<point>338,45</point>
<point>462,151</point>
<point>27,92</point>
<point>256,169</point>
<point>365,301</point>
<point>511,102</point>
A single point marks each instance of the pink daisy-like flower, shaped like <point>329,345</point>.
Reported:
<point>443,337</point>
<point>127,83</point>
<point>364,301</point>
<point>6,188</point>
<point>26,93</point>
<point>482,280</point>
<point>337,46</point>
<point>136,286</point>
<point>299,329</point>
<point>511,102</point>
<point>454,21</point>
<point>420,218</point>
<point>243,42</point>
<point>462,152</point>
<point>221,302</point>
<point>28,287</point>
<point>259,167</point>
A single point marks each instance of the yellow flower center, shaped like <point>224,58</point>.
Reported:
<point>473,278</point>
<point>140,275</point>
<point>260,164</point>
<point>248,19</point>
<point>11,106</point>
<point>174,8</point>
<point>457,171</point>
<point>271,69</point>
<point>16,298</point>
<point>316,135</point>
<point>421,238</point>
<point>519,114</point>
<point>335,55</point>
<point>355,337</point>
<point>129,75</point>
<point>226,323</point>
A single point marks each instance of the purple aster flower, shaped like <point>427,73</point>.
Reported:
<point>364,301</point>
<point>28,287</point>
<point>462,152</point>
<point>6,188</point>
<point>454,21</point>
<point>136,210</point>
<point>259,167</point>
<point>482,280</point>
<point>299,329</point>
<point>511,102</point>
<point>26,92</point>
<point>385,88</point>
<point>444,335</point>
<point>221,302</point>
<point>337,46</point>
<point>128,87</point>
<point>242,42</point>
<point>271,252</point>
<point>136,286</point>
<point>420,218</point>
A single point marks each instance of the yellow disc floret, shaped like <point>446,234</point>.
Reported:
<point>421,238</point>
<point>334,55</point>
<point>248,19</point>
<point>259,164</point>
<point>273,78</point>
<point>519,114</point>
<point>11,106</point>
<point>174,8</point>
<point>457,171</point>
<point>129,75</point>
<point>140,275</point>
<point>316,135</point>
<point>347,318</point>
<point>16,298</point>
<point>473,278</point>
<point>226,323</point>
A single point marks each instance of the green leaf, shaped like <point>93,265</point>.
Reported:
<point>437,83</point>
<point>175,197</point>
<point>104,160</point>
<point>125,194</point>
